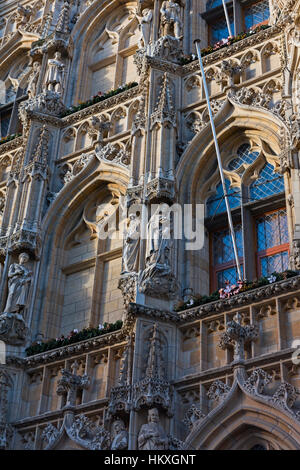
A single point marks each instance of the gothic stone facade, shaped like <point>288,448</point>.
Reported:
<point>216,376</point>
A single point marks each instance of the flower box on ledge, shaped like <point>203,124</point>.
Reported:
<point>198,300</point>
<point>97,98</point>
<point>73,337</point>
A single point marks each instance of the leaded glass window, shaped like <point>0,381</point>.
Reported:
<point>223,256</point>
<point>244,156</point>
<point>257,13</point>
<point>272,242</point>
<point>214,3</point>
<point>267,184</point>
<point>216,203</point>
<point>219,30</point>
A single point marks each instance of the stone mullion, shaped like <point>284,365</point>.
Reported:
<point>45,384</point>
<point>203,346</point>
<point>253,317</point>
<point>88,370</point>
<point>10,208</point>
<point>109,371</point>
<point>280,323</point>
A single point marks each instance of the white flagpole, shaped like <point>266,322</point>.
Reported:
<point>197,42</point>
<point>227,18</point>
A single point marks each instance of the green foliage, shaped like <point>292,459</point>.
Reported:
<point>74,337</point>
<point>221,44</point>
<point>248,285</point>
<point>8,138</point>
<point>97,98</point>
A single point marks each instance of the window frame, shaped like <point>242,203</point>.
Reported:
<point>268,251</point>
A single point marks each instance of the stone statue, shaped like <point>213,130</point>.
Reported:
<point>120,436</point>
<point>171,24</point>
<point>19,279</point>
<point>131,245</point>
<point>55,74</point>
<point>33,79</point>
<point>159,238</point>
<point>151,435</point>
<point>145,26</point>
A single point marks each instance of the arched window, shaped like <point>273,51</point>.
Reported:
<point>216,203</point>
<point>267,184</point>
<point>256,198</point>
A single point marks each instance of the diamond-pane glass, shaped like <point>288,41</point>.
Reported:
<point>223,248</point>
<point>257,13</point>
<point>244,156</point>
<point>274,263</point>
<point>216,203</point>
<point>267,184</point>
<point>219,30</point>
<point>272,230</point>
<point>214,3</point>
<point>229,274</point>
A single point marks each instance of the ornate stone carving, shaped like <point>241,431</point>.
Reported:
<point>70,383</point>
<point>237,336</point>
<point>154,388</point>
<point>145,26</point>
<point>131,245</point>
<point>167,48</point>
<point>164,111</point>
<point>87,433</point>
<point>152,436</point>
<point>157,278</point>
<point>54,80</point>
<point>47,102</point>
<point>33,79</point>
<point>285,396</point>
<point>257,382</point>
<point>171,24</point>
<point>119,439</point>
<point>6,434</point>
<point>218,391</point>
<point>114,154</point>
<point>6,430</point>
<point>23,239</point>
<point>193,416</point>
<point>128,286</point>
<point>295,255</point>
<point>78,166</point>
<point>13,329</point>
<point>50,434</point>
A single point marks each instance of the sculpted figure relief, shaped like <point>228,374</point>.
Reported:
<point>145,26</point>
<point>159,238</point>
<point>120,436</point>
<point>55,74</point>
<point>131,245</point>
<point>19,279</point>
<point>33,79</point>
<point>171,24</point>
<point>151,435</point>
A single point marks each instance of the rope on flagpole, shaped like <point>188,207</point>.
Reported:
<point>197,43</point>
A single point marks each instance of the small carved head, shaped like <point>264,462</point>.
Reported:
<point>153,415</point>
<point>23,258</point>
<point>118,426</point>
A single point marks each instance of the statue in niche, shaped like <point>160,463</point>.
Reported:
<point>131,245</point>
<point>55,74</point>
<point>159,238</point>
<point>151,435</point>
<point>171,24</point>
<point>19,279</point>
<point>119,435</point>
<point>145,27</point>
<point>33,79</point>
